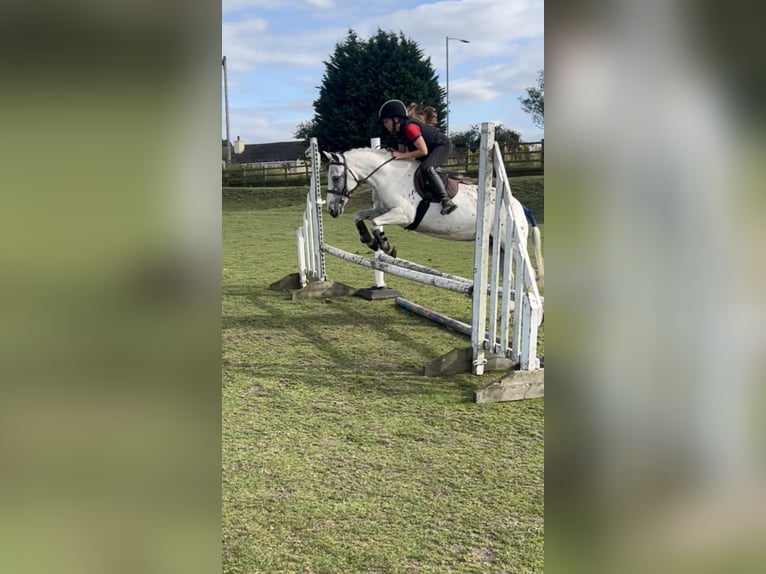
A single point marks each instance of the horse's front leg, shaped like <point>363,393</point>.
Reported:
<point>396,216</point>
<point>364,234</point>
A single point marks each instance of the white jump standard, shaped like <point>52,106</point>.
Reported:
<point>503,271</point>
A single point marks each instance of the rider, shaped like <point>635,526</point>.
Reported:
<point>421,141</point>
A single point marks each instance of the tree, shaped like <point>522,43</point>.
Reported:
<point>534,103</point>
<point>467,140</point>
<point>471,139</point>
<point>359,77</point>
<point>305,130</point>
<point>508,139</point>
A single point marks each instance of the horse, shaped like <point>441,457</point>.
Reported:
<point>395,202</point>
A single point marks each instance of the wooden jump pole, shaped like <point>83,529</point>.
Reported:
<point>434,316</point>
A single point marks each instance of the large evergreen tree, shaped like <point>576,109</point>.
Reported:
<point>359,77</point>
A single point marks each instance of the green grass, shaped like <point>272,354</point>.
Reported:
<point>338,456</point>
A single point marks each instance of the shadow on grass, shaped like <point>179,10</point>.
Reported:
<point>340,360</point>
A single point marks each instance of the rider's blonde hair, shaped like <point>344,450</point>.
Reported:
<point>425,114</point>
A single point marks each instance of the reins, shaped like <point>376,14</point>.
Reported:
<point>345,192</point>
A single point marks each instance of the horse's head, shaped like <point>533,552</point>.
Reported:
<point>341,181</point>
<point>349,170</point>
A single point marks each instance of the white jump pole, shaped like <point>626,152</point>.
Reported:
<point>417,276</point>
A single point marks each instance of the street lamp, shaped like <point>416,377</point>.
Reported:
<point>448,38</point>
<point>226,96</point>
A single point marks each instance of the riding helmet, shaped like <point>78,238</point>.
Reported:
<point>392,109</point>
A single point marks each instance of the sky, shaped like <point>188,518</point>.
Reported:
<point>276,49</point>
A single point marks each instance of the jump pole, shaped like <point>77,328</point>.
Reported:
<point>436,317</point>
<point>417,276</point>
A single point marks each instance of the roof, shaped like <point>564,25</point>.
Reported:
<point>279,151</point>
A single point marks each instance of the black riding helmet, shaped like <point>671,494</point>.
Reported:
<point>392,109</point>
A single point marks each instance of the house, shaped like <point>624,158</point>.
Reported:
<point>290,155</point>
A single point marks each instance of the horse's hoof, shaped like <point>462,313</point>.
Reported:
<point>392,253</point>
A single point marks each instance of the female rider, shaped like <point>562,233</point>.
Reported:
<point>421,141</point>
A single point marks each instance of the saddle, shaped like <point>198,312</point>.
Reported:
<point>452,181</point>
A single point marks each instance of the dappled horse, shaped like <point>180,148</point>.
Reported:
<point>395,202</point>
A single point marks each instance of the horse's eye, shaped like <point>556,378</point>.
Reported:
<point>335,177</point>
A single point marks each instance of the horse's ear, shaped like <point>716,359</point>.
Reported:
<point>327,155</point>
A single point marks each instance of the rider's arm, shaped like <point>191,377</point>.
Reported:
<point>421,150</point>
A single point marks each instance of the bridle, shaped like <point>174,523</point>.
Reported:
<point>346,192</point>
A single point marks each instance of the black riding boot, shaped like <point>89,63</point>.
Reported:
<point>448,206</point>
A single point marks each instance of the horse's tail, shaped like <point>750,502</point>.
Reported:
<point>536,245</point>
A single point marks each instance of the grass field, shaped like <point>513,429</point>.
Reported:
<point>338,456</point>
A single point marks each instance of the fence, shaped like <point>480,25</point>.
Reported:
<point>528,158</point>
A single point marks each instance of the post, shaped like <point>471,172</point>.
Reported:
<point>447,54</point>
<point>226,100</point>
<point>481,252</point>
<point>447,39</point>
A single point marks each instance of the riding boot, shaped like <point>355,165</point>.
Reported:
<point>448,206</point>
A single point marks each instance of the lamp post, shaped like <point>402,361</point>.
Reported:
<point>226,100</point>
<point>448,38</point>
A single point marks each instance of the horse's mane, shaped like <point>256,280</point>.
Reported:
<point>385,154</point>
<point>381,152</point>
<point>378,150</point>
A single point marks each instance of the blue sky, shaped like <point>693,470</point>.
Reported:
<point>275,51</point>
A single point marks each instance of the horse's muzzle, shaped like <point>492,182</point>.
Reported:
<point>334,211</point>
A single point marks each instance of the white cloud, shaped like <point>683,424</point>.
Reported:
<point>251,42</point>
<point>263,126</point>
<point>472,90</point>
<point>232,6</point>
<point>492,26</point>
<point>247,26</point>
<point>321,3</point>
<point>229,6</point>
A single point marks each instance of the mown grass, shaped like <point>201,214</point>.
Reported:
<point>338,456</point>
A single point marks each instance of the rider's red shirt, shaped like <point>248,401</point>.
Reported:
<point>412,132</point>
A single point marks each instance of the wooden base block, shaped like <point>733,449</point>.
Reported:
<point>377,293</point>
<point>461,361</point>
<point>291,281</point>
<point>323,290</point>
<point>515,386</point>
<point>452,363</point>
